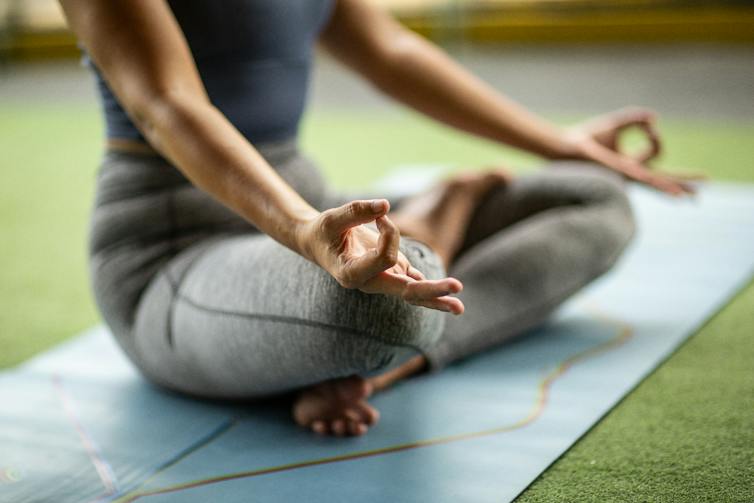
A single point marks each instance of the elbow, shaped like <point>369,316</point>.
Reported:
<point>401,51</point>
<point>386,48</point>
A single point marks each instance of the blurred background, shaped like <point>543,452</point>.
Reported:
<point>691,60</point>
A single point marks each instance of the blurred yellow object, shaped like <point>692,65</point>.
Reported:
<point>536,21</point>
<point>32,29</point>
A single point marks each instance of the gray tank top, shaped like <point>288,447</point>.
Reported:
<point>254,57</point>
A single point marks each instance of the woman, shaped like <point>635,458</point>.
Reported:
<point>225,267</point>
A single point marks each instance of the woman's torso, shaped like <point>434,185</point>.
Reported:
<point>254,58</point>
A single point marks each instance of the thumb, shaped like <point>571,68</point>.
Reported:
<point>354,213</point>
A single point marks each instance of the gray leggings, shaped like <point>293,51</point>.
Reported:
<point>204,303</point>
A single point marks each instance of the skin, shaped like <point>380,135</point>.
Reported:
<point>143,55</point>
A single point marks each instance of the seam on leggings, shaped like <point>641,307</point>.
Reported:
<point>293,321</point>
<point>172,251</point>
<point>175,285</point>
<point>172,233</point>
<point>171,309</point>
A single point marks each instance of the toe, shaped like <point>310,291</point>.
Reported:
<point>352,414</point>
<point>367,414</point>
<point>306,408</point>
<point>339,427</point>
<point>355,428</point>
<point>319,427</point>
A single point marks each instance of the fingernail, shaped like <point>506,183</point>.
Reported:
<point>378,205</point>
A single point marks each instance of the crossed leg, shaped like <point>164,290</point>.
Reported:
<point>529,247</point>
<point>520,249</point>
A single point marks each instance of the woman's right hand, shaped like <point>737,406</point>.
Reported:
<point>358,257</point>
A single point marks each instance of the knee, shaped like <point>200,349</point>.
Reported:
<point>614,226</point>
<point>389,323</point>
<point>618,223</point>
<point>615,234</point>
<point>396,322</point>
<point>605,191</point>
<point>394,329</point>
<point>603,220</point>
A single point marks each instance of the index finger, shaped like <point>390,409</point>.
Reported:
<point>654,142</point>
<point>645,120</point>
<point>638,172</point>
<point>384,256</point>
<point>342,218</point>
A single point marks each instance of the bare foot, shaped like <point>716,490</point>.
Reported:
<point>439,216</point>
<point>339,406</point>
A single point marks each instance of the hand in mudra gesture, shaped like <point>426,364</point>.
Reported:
<point>597,139</point>
<point>358,257</point>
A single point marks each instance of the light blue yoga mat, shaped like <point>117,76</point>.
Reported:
<point>78,424</point>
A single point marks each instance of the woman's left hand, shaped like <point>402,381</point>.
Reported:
<point>597,140</point>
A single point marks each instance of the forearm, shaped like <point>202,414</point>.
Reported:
<point>142,53</point>
<point>420,75</point>
<point>410,69</point>
<point>202,143</point>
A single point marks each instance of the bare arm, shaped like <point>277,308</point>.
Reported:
<point>143,55</point>
<point>405,66</point>
<point>412,70</point>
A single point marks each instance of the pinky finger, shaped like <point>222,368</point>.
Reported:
<point>681,185</point>
<point>666,186</point>
<point>686,177</point>
<point>448,304</point>
<point>455,305</point>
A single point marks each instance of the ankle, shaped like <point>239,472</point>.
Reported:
<point>415,365</point>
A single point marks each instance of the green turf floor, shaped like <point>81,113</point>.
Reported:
<point>686,434</point>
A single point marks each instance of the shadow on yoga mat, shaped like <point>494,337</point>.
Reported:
<point>78,424</point>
